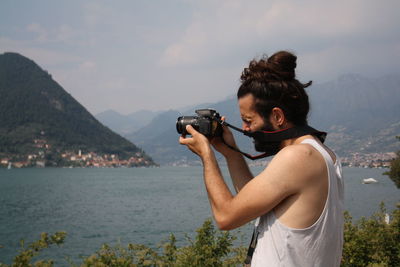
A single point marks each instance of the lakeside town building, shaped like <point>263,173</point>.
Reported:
<point>77,159</point>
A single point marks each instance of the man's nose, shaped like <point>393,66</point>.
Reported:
<point>245,127</point>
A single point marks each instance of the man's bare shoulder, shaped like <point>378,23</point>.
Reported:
<point>297,162</point>
<point>294,155</point>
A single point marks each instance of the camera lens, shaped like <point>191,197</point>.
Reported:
<point>181,123</point>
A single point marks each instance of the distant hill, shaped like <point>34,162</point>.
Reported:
<point>125,124</point>
<point>35,107</point>
<point>360,114</point>
<point>161,138</point>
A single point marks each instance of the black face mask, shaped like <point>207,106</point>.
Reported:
<point>269,147</point>
<point>261,145</point>
<point>269,142</point>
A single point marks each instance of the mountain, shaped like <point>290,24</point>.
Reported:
<point>353,100</point>
<point>36,109</point>
<point>125,124</point>
<point>360,114</point>
<point>161,138</point>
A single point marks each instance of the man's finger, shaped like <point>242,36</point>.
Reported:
<point>183,140</point>
<point>190,129</point>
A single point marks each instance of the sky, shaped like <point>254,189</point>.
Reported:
<point>167,54</point>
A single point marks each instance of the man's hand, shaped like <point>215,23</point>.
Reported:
<point>198,143</point>
<point>219,145</point>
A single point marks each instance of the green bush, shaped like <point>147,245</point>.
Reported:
<point>368,242</point>
<point>24,258</point>
<point>210,248</point>
<point>394,172</point>
<point>373,241</point>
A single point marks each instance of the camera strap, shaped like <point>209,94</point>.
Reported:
<point>274,136</point>
<point>252,247</point>
<point>263,155</point>
<point>224,123</point>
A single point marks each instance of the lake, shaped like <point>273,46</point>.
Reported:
<point>131,205</point>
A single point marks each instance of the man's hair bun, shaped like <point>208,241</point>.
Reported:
<point>284,63</point>
<point>279,67</point>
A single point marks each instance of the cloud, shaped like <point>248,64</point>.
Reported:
<point>310,18</point>
<point>189,49</point>
<point>65,33</point>
<point>328,63</point>
<point>62,34</point>
<point>87,66</point>
<point>42,56</point>
<point>127,52</point>
<point>224,27</point>
<point>96,14</point>
<point>41,33</point>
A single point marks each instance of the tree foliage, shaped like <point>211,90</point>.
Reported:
<point>373,241</point>
<point>394,172</point>
<point>210,248</point>
<point>26,255</point>
<point>367,242</point>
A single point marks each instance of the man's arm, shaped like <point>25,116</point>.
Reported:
<point>238,170</point>
<point>237,166</point>
<point>257,197</point>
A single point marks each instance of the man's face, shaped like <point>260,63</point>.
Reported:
<point>252,120</point>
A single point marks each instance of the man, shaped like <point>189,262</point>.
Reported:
<point>299,195</point>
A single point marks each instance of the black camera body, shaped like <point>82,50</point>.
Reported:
<point>207,123</point>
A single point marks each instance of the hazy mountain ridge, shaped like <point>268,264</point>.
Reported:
<point>34,107</point>
<point>161,138</point>
<point>126,124</point>
<point>355,97</point>
<point>360,114</point>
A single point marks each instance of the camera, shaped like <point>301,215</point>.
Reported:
<point>207,123</point>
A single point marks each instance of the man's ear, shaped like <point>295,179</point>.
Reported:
<point>278,117</point>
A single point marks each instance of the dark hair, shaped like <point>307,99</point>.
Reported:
<point>272,82</point>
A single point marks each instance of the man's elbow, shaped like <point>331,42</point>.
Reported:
<point>224,223</point>
<point>225,216</point>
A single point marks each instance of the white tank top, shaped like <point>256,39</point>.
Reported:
<point>317,245</point>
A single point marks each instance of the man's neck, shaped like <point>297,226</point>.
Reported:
<point>296,140</point>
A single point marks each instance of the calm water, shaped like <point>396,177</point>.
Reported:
<point>96,206</point>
